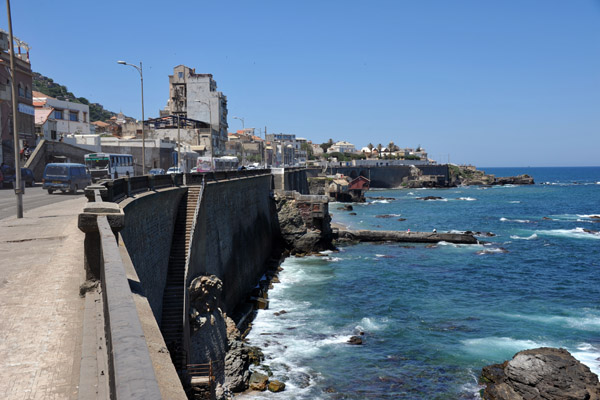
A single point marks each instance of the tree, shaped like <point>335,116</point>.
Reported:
<point>379,147</point>
<point>326,145</point>
<point>370,146</point>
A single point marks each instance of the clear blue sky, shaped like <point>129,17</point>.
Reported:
<point>504,83</point>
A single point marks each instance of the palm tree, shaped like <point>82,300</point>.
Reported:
<point>370,146</point>
<point>379,147</point>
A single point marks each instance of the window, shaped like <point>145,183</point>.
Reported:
<point>73,116</point>
<point>27,92</point>
<point>21,91</point>
<point>84,116</point>
<point>53,135</point>
<point>58,114</point>
<point>181,75</point>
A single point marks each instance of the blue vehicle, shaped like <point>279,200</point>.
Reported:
<point>66,177</point>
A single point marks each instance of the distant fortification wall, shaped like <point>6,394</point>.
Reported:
<point>234,236</point>
<point>389,176</point>
<point>147,234</point>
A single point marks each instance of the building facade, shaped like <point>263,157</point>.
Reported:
<point>195,96</point>
<point>68,118</point>
<point>25,110</point>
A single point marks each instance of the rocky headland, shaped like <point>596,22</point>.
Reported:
<point>543,373</point>
<point>469,175</point>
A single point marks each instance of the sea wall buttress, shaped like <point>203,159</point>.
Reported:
<point>147,235</point>
<point>235,234</point>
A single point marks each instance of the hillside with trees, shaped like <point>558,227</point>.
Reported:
<point>50,88</point>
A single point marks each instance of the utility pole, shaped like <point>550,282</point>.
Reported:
<point>18,189</point>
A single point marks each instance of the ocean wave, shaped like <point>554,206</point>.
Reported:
<point>534,236</point>
<point>590,216</point>
<point>586,323</point>
<point>369,324</point>
<point>515,202</point>
<point>577,233</point>
<point>494,347</point>
<point>379,201</point>
<point>521,221</point>
<point>460,245</point>
<point>467,198</point>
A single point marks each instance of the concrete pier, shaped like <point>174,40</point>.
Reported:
<point>408,237</point>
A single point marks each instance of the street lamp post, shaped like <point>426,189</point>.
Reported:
<point>13,72</point>
<point>241,119</point>
<point>139,69</point>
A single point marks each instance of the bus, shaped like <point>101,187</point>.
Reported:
<point>109,166</point>
<point>208,164</point>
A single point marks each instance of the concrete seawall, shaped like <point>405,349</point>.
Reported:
<point>149,224</point>
<point>234,236</point>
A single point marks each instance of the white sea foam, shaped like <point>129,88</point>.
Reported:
<point>595,216</point>
<point>521,221</point>
<point>534,236</point>
<point>589,355</point>
<point>380,201</point>
<point>515,202</point>
<point>498,347</point>
<point>467,198</point>
<point>588,322</point>
<point>334,259</point>
<point>369,324</point>
<point>577,233</point>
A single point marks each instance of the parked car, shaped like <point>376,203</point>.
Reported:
<point>156,171</point>
<point>174,170</point>
<point>26,176</point>
<point>66,177</point>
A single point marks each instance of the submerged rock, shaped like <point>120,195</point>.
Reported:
<point>543,373</point>
<point>356,340</point>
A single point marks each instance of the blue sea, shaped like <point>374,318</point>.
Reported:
<point>433,316</point>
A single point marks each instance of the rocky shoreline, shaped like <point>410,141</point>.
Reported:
<point>542,373</point>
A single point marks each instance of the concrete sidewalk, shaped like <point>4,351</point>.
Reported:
<point>41,312</point>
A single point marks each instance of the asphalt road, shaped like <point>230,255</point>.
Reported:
<point>34,197</point>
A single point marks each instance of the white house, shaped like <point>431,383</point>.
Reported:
<point>71,118</point>
<point>342,147</point>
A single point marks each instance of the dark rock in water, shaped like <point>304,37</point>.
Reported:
<point>401,219</point>
<point>547,219</point>
<point>276,386</point>
<point>430,198</point>
<point>277,314</point>
<point>347,207</point>
<point>590,231</point>
<point>258,381</point>
<point>355,340</point>
<point>595,216</point>
<point>486,234</point>
<point>515,180</point>
<point>384,216</point>
<point>352,213</point>
<point>543,373</point>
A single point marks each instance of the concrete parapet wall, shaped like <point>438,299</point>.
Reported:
<point>290,179</point>
<point>147,234</point>
<point>234,236</point>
